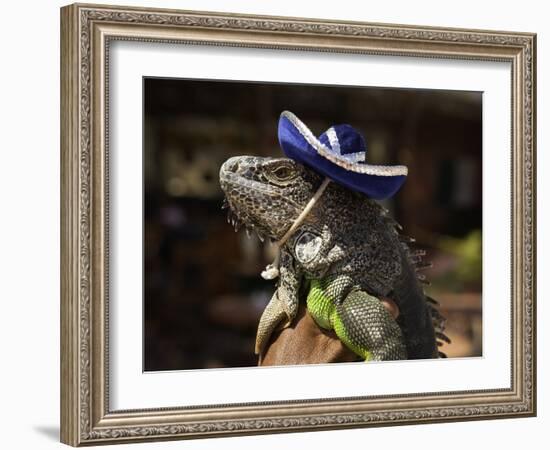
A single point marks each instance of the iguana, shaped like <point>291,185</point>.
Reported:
<point>345,255</point>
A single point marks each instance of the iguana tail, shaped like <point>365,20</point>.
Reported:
<point>415,316</point>
<point>439,325</point>
<point>422,323</point>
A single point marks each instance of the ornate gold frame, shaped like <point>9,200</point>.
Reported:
<point>86,31</point>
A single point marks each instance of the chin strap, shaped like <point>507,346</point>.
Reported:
<point>272,270</point>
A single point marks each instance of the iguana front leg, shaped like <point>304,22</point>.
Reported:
<point>361,321</point>
<point>283,306</point>
<point>366,327</point>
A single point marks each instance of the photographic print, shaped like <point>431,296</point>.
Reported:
<point>385,266</point>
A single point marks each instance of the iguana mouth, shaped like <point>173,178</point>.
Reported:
<point>238,222</point>
<point>235,216</point>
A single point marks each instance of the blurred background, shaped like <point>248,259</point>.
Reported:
<point>203,294</point>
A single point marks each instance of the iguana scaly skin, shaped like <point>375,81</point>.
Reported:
<point>360,320</point>
<point>344,257</point>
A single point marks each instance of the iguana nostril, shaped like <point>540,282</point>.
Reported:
<point>231,165</point>
<point>235,166</point>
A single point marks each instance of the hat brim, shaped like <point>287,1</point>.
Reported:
<point>297,142</point>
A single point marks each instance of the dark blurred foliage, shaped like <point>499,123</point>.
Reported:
<point>203,294</point>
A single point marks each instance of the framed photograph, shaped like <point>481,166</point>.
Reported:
<point>281,224</point>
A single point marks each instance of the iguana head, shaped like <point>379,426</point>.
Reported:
<point>266,194</point>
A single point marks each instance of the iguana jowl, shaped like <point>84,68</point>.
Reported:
<point>344,256</point>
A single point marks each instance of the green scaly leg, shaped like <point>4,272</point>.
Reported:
<point>360,320</point>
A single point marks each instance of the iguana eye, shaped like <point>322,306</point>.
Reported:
<point>283,173</point>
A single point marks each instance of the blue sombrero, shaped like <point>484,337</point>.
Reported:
<point>339,154</point>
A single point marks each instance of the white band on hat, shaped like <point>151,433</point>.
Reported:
<point>335,145</point>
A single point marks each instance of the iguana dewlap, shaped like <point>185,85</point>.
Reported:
<point>347,252</point>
